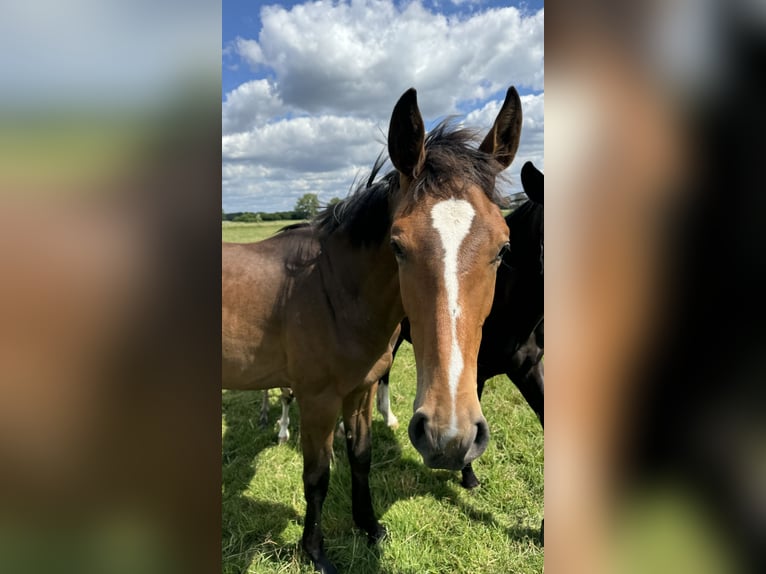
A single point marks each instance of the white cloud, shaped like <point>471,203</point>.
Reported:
<point>249,105</point>
<point>360,56</point>
<point>254,187</point>
<point>330,74</point>
<point>321,143</point>
<point>269,167</point>
<point>532,132</point>
<point>250,51</point>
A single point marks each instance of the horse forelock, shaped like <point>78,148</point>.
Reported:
<point>453,162</point>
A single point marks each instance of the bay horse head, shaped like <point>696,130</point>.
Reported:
<point>448,236</point>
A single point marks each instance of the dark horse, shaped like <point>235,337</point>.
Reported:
<point>314,308</point>
<point>512,335</point>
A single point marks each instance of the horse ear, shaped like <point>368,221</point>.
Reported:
<point>502,141</point>
<point>532,180</point>
<point>406,135</point>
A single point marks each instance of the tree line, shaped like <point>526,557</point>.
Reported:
<point>306,207</point>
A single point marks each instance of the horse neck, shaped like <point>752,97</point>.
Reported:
<point>357,275</point>
<point>525,229</point>
<point>522,291</point>
<point>522,272</point>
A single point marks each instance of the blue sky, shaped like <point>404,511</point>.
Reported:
<point>308,87</point>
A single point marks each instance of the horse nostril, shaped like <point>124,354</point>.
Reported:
<point>417,429</point>
<point>482,433</point>
<point>480,442</point>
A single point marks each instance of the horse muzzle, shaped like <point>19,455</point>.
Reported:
<point>447,450</point>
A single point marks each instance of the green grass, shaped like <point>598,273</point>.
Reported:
<point>236,232</point>
<point>434,525</point>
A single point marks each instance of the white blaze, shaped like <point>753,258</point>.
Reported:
<point>452,220</point>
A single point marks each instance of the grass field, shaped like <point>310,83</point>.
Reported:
<point>434,525</point>
<point>236,232</point>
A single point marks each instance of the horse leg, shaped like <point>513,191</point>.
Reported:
<point>469,480</point>
<point>317,423</point>
<point>263,421</point>
<point>530,382</point>
<point>284,421</point>
<point>532,386</point>
<point>357,416</point>
<point>384,402</point>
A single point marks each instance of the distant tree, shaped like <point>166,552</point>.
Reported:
<point>307,206</point>
<point>333,201</point>
<point>248,217</point>
<point>223,215</point>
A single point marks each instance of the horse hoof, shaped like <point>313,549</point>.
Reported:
<point>282,439</point>
<point>469,482</point>
<point>377,534</point>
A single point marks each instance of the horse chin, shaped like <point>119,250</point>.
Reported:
<point>454,462</point>
<point>442,462</point>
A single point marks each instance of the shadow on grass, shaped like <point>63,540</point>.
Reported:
<point>257,526</point>
<point>442,485</point>
<point>248,526</point>
<point>251,527</point>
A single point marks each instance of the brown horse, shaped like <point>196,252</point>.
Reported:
<point>314,308</point>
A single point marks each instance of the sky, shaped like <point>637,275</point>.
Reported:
<point>308,87</point>
<point>112,55</point>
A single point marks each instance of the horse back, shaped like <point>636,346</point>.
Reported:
<point>255,283</point>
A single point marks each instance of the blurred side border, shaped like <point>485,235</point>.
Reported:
<point>109,303</point>
<point>654,300</point>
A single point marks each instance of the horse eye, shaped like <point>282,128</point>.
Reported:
<point>397,249</point>
<point>503,250</point>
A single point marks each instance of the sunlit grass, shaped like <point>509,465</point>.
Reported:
<point>236,232</point>
<point>434,524</point>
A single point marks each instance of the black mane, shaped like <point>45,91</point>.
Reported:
<point>364,215</point>
<point>452,161</point>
